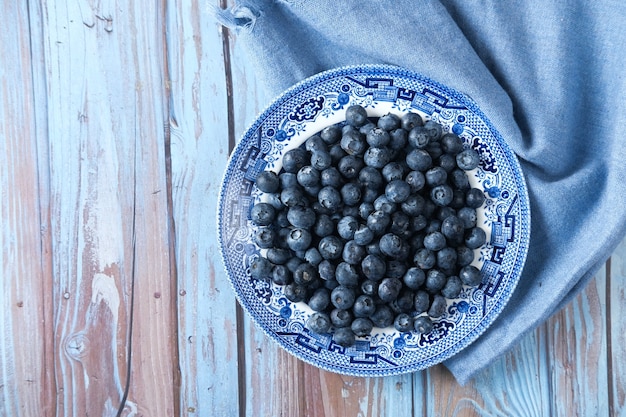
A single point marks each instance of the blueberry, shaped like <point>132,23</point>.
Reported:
<point>301,216</point>
<point>389,289</point>
<point>382,316</point>
<point>410,120</point>
<point>331,177</point>
<point>438,306</point>
<point>356,116</point>
<point>263,237</point>
<point>293,196</point>
<point>329,198</point>
<point>312,256</point>
<point>353,143</point>
<point>377,157</point>
<point>365,209</point>
<point>268,182</point>
<point>378,222</point>
<point>364,306</point>
<point>475,238</point>
<point>400,224</point>
<point>404,302</point>
<point>474,198</point>
<point>349,166</point>
<point>435,280</point>
<point>468,217</point>
<point>397,191</point>
<point>452,228</point>
<point>470,275</point>
<point>414,278</point>
<point>318,322</point>
<point>467,159</point>
<point>384,204</point>
<point>293,263</point>
<point>434,241</point>
<point>373,267</point>
<point>458,199</point>
<point>262,214</point>
<point>278,256</point>
<point>342,297</point>
<point>305,274</point>
<point>453,287</point>
<point>299,239</point>
<point>416,180</point>
<point>288,180</point>
<point>413,205</point>
<point>351,193</point>
<point>398,139</point>
<point>434,149</point>
<point>344,336</point>
<point>330,247</point>
<point>326,270</point>
<point>434,225</point>
<point>421,301</point>
<point>418,223</point>
<point>331,134</point>
<point>369,287</point>
<point>323,226</point>
<point>321,160</point>
<point>347,226</point>
<point>464,256</point>
<point>447,162</point>
<point>362,326</point>
<point>319,300</point>
<point>353,253</point>
<point>294,159</point>
<point>419,160</point>
<point>340,317</point>
<point>295,292</point>
<point>369,195</point>
<point>418,137</point>
<point>366,127</point>
<point>444,212</point>
<point>396,268</point>
<point>403,323</point>
<point>425,258</point>
<point>423,324</point>
<point>371,177</point>
<point>315,143</point>
<point>261,268</point>
<point>377,137</point>
<point>393,171</point>
<point>451,144</point>
<point>336,152</point>
<point>281,219</point>
<point>363,235</point>
<point>347,275</point>
<point>436,176</point>
<point>433,130</point>
<point>446,258</point>
<point>442,195</point>
<point>460,180</point>
<point>308,176</point>
<point>389,122</point>
<point>393,246</point>
<point>281,275</point>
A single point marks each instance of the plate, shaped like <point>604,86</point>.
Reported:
<point>320,101</point>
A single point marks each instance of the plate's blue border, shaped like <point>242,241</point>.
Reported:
<point>384,69</point>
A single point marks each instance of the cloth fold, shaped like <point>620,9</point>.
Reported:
<point>549,75</point>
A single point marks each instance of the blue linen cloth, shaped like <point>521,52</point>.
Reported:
<point>550,75</point>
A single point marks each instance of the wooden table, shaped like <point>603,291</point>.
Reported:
<point>116,122</point>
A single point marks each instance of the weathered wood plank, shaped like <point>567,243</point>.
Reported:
<point>108,207</point>
<point>616,335</point>
<point>26,387</point>
<point>199,151</point>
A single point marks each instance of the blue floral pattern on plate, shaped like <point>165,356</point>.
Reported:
<point>321,101</point>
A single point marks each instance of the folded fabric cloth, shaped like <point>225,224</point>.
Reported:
<point>548,74</point>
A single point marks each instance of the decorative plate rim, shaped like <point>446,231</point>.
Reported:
<point>522,190</point>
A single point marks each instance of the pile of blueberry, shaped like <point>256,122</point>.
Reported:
<point>372,223</point>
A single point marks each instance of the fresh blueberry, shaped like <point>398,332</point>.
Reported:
<point>263,237</point>
<point>369,287</point>
<point>418,223</point>
<point>336,153</point>
<point>434,149</point>
<point>299,239</point>
<point>347,226</point>
<point>435,280</point>
<point>281,218</point>
<point>453,287</point>
<point>389,289</point>
<point>363,235</point>
<point>321,160</point>
<point>397,191</point>
<point>326,270</point>
<point>444,212</point>
<point>413,205</point>
<point>436,176</point>
<point>418,137</point>
<point>410,120</point>
<point>468,217</point>
<point>262,214</point>
<point>268,182</point>
<point>470,275</point>
<point>342,297</point>
<point>364,306</point>
<point>460,180</point>
<point>294,159</point>
<point>434,225</point>
<point>261,268</point>
<point>347,275</point>
<point>362,326</point>
<point>344,336</point>
<point>318,322</point>
<point>340,317</point>
<point>288,180</point>
<point>400,224</point>
<point>330,177</point>
<point>425,258</point>
<point>378,222</point>
<point>419,160</point>
<point>305,274</point>
<point>366,127</point>
<point>423,324</point>
<point>356,116</point>
<point>373,267</point>
<point>308,176</point>
<point>404,302</point>
<point>393,171</point>
<point>452,228</point>
<point>396,268</point>
<point>474,198</point>
<point>349,166</point>
<point>377,157</point>
<point>442,195</point>
<point>353,253</point>
<point>329,198</point>
<point>398,139</point>
<point>451,144</point>
<point>475,238</point>
<point>382,316</point>
<point>377,137</point>
<point>371,178</point>
<point>393,246</point>
<point>384,204</point>
<point>464,256</point>
<point>331,134</point>
<point>353,143</point>
<point>421,301</point>
<point>293,196</point>
<point>315,143</point>
<point>467,159</point>
<point>312,256</point>
<point>438,306</point>
<point>365,209</point>
<point>389,122</point>
<point>369,195</point>
<point>446,258</point>
<point>319,300</point>
<point>434,241</point>
<point>351,193</point>
<point>447,162</point>
<point>433,129</point>
<point>330,247</point>
<point>403,323</point>
<point>301,216</point>
<point>414,278</point>
<point>295,292</point>
<point>281,275</point>
<point>278,256</point>
<point>323,226</point>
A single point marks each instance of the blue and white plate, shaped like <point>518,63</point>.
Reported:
<point>321,101</point>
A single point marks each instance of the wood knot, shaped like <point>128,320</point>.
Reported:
<point>77,345</point>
